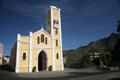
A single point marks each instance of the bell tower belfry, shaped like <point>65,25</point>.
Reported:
<point>54,29</point>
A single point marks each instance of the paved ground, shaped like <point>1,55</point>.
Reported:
<point>107,76</point>
<point>68,74</point>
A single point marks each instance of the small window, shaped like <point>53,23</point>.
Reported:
<point>54,21</point>
<point>56,42</point>
<point>57,22</point>
<point>0,57</point>
<point>49,31</point>
<point>42,38</point>
<point>38,40</point>
<point>56,31</point>
<point>49,23</point>
<point>57,56</point>
<point>45,40</point>
<point>24,56</point>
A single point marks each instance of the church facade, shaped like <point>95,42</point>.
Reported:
<point>1,53</point>
<point>40,49</point>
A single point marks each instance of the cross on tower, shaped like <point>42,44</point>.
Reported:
<point>42,26</point>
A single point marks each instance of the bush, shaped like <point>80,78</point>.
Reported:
<point>96,61</point>
<point>69,63</point>
<point>88,63</point>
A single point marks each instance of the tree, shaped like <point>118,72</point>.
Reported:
<point>115,53</point>
<point>7,56</point>
<point>118,27</point>
<point>106,60</point>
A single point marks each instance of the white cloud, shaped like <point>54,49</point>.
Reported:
<point>35,8</point>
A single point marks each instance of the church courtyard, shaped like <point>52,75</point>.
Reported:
<point>67,74</point>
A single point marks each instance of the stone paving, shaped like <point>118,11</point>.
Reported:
<point>67,74</point>
<point>46,74</point>
<point>107,76</point>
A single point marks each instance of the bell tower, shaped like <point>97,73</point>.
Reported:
<point>54,29</point>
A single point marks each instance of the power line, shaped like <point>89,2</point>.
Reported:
<point>51,47</point>
<point>81,32</point>
<point>70,30</point>
<point>72,45</point>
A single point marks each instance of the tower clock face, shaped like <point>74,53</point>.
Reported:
<point>55,13</point>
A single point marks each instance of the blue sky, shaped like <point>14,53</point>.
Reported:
<point>83,21</point>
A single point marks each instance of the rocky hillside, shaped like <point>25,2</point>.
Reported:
<point>105,45</point>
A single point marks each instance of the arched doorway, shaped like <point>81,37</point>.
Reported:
<point>42,61</point>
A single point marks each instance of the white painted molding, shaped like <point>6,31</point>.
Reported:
<point>1,44</point>
<point>58,64</point>
<point>40,45</point>
<point>30,53</point>
<point>54,7</point>
<point>23,67</point>
<point>46,21</point>
<point>43,47</point>
<point>59,9</point>
<point>26,42</point>
<point>16,69</point>
<point>52,37</point>
<point>17,54</point>
<point>24,36</point>
<point>43,31</point>
<point>61,42</point>
<point>47,60</point>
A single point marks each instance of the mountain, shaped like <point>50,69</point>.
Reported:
<point>105,45</point>
<point>115,53</point>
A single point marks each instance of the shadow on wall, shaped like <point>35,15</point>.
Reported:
<point>6,68</point>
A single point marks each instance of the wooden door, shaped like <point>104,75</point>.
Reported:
<point>43,61</point>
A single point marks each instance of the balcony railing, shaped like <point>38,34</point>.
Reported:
<point>56,25</point>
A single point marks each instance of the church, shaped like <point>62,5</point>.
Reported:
<point>41,49</point>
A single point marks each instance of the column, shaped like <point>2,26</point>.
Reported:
<point>30,51</point>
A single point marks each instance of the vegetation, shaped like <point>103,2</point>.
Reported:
<point>105,46</point>
<point>34,69</point>
<point>50,68</point>
<point>87,62</point>
<point>7,56</point>
<point>109,49</point>
<point>115,53</point>
<point>106,59</point>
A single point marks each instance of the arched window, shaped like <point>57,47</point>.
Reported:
<point>56,31</point>
<point>38,40</point>
<point>56,42</point>
<point>54,21</point>
<point>49,32</point>
<point>46,40</point>
<point>57,56</point>
<point>49,23</point>
<point>24,56</point>
<point>57,22</point>
<point>42,38</point>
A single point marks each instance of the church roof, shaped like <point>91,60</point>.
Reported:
<point>43,31</point>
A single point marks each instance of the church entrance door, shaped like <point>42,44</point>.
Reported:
<point>42,61</point>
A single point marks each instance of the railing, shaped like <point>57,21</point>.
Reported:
<point>56,25</point>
